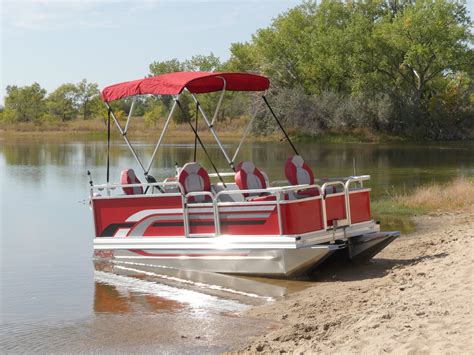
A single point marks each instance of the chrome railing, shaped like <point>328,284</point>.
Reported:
<point>278,192</point>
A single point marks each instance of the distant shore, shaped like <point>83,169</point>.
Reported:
<point>232,130</point>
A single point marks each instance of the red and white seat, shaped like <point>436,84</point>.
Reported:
<point>299,173</point>
<point>249,177</point>
<point>194,178</point>
<point>127,177</point>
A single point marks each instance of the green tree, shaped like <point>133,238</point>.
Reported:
<point>208,63</point>
<point>196,63</point>
<point>61,103</point>
<point>242,58</point>
<point>403,51</point>
<point>154,113</point>
<point>86,93</point>
<point>167,66</point>
<point>429,39</point>
<point>24,104</point>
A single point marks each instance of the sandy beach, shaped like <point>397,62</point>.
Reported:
<point>415,297</point>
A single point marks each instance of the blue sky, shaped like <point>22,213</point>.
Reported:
<point>54,42</point>
<point>107,41</point>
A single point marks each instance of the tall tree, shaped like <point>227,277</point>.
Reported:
<point>61,103</point>
<point>203,63</point>
<point>167,66</point>
<point>86,92</point>
<point>429,39</point>
<point>24,104</point>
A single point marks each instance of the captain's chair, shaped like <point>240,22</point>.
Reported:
<point>249,177</point>
<point>193,177</point>
<point>299,173</point>
<point>128,176</point>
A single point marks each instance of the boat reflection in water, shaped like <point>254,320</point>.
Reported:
<point>114,299</point>
<point>170,311</point>
<point>142,288</point>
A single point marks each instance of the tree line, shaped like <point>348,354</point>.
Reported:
<point>396,66</point>
<point>68,101</point>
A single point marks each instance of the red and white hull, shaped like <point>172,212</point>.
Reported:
<point>275,238</point>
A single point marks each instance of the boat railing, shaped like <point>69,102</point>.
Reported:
<point>353,179</point>
<point>359,179</point>
<point>326,195</point>
<point>223,174</point>
<point>280,193</point>
<point>112,186</point>
<point>186,221</point>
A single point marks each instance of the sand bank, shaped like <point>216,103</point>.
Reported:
<point>414,297</point>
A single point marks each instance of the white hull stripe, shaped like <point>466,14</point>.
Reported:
<point>122,232</point>
<point>145,213</point>
<point>170,211</point>
<point>203,257</point>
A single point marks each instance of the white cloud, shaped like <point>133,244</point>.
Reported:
<point>73,14</point>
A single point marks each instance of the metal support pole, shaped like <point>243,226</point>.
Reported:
<point>129,116</point>
<point>165,128</point>
<point>220,100</point>
<point>195,136</point>
<point>247,130</point>
<point>211,128</point>
<point>124,136</point>
<point>280,125</point>
<point>201,143</point>
<point>108,146</point>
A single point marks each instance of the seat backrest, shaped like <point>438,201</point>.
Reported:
<point>193,177</point>
<point>249,177</point>
<point>128,176</point>
<point>298,172</point>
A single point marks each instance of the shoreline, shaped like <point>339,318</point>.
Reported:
<point>415,296</point>
<point>233,129</point>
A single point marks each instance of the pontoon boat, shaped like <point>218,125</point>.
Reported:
<point>199,221</point>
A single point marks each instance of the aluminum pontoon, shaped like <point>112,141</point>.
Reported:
<point>244,226</point>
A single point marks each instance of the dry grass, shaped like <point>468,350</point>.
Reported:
<point>395,211</point>
<point>456,194</point>
<point>230,129</point>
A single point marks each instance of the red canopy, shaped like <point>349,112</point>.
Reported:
<point>195,82</point>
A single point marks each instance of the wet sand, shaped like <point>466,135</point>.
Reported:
<point>415,297</point>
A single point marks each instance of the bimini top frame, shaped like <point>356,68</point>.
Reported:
<point>195,83</point>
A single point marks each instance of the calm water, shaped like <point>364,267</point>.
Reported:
<point>51,298</point>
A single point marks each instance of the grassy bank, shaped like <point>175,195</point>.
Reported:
<point>357,135</point>
<point>230,129</point>
<point>397,209</point>
<point>137,128</point>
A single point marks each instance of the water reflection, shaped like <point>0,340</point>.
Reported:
<point>398,166</point>
<point>115,299</point>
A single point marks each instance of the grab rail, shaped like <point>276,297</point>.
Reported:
<point>186,221</point>
<point>346,189</point>
<point>349,181</point>
<point>358,179</point>
<point>323,202</point>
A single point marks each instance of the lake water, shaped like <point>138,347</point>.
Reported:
<point>52,299</point>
